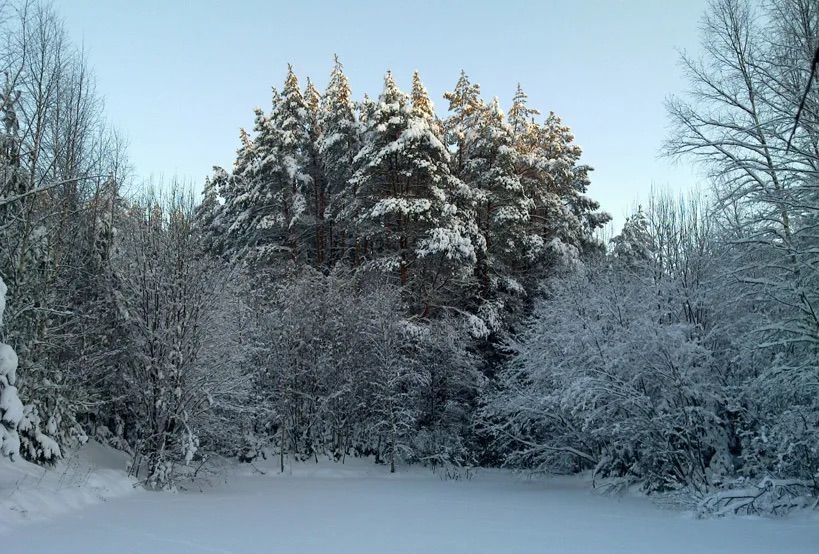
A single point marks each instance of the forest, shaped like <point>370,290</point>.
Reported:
<point>378,278</point>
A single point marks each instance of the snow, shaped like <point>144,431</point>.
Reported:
<point>452,242</point>
<point>359,507</point>
<point>30,493</point>
<point>10,406</point>
<point>3,291</point>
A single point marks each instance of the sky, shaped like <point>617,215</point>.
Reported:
<point>180,77</point>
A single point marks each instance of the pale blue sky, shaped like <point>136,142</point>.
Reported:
<point>180,77</point>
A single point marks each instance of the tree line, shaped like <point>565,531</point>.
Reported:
<point>687,358</point>
<point>372,279</point>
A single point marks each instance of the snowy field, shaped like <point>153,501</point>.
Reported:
<point>360,508</point>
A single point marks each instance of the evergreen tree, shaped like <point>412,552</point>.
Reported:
<point>209,212</point>
<point>548,167</point>
<point>338,146</point>
<point>503,207</point>
<point>422,107</point>
<point>266,202</point>
<point>250,213</point>
<point>564,209</point>
<point>521,116</point>
<point>633,244</point>
<point>291,183</point>
<point>403,207</point>
<point>314,167</point>
<point>465,107</point>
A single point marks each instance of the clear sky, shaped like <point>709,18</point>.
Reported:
<point>180,77</point>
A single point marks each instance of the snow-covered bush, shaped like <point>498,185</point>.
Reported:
<point>344,372</point>
<point>182,329</point>
<point>645,366</point>
<point>11,409</point>
<point>767,497</point>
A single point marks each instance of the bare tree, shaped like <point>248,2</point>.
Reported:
<point>177,315</point>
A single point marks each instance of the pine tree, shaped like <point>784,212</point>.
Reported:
<point>292,184</point>
<point>314,167</point>
<point>548,167</point>
<point>634,243</point>
<point>422,107</point>
<point>521,116</point>
<point>403,208</point>
<point>567,179</point>
<point>248,212</point>
<point>209,212</point>
<point>266,201</point>
<point>338,146</point>
<point>503,206</point>
<point>465,107</point>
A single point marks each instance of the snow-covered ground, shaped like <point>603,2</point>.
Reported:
<point>361,508</point>
<point>31,494</point>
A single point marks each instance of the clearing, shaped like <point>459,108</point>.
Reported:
<point>361,508</point>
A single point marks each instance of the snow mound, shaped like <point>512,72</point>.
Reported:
<point>90,475</point>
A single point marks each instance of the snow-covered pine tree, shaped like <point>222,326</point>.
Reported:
<point>521,117</point>
<point>259,198</point>
<point>405,204</point>
<point>266,207</point>
<point>209,212</point>
<point>465,107</point>
<point>462,197</point>
<point>567,179</point>
<point>633,245</point>
<point>291,182</point>
<point>238,215</point>
<point>249,198</point>
<point>503,206</point>
<point>422,107</point>
<point>314,167</point>
<point>548,167</point>
<point>339,144</point>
